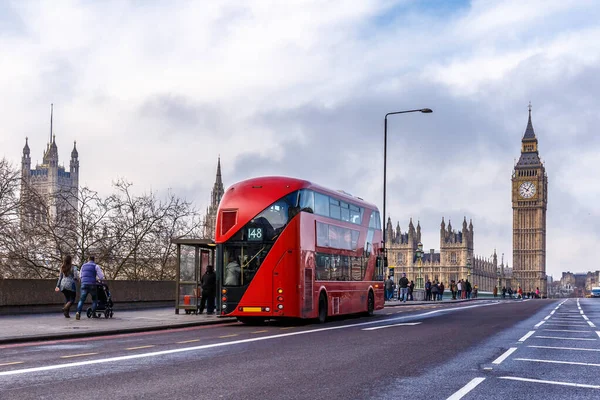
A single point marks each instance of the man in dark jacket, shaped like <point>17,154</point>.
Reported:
<point>403,288</point>
<point>209,290</point>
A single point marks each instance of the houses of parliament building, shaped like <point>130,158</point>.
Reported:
<point>456,258</point>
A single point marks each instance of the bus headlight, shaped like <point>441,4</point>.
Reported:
<point>280,306</point>
<point>267,309</point>
<point>224,306</point>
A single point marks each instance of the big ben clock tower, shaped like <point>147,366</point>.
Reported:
<point>529,203</point>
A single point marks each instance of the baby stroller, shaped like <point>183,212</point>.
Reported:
<point>105,304</point>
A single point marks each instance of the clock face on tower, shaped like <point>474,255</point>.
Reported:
<point>527,190</point>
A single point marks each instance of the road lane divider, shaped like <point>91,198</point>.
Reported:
<point>140,347</point>
<point>188,341</point>
<point>558,362</point>
<point>526,336</point>
<point>562,338</point>
<point>565,330</point>
<point>390,326</point>
<point>263,331</point>
<point>466,389</point>
<point>230,343</point>
<point>504,356</point>
<point>580,385</point>
<point>539,324</point>
<point>590,323</point>
<point>11,363</point>
<point>598,333</point>
<point>564,348</point>
<point>79,355</point>
<point>226,336</point>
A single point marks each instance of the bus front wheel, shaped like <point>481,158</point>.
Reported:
<point>370,304</point>
<point>322,308</point>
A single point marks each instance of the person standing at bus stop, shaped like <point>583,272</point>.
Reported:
<point>389,288</point>
<point>90,273</point>
<point>209,290</point>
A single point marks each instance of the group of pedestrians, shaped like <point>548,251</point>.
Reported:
<point>463,290</point>
<point>91,274</point>
<point>434,291</point>
<point>405,289</point>
<point>519,294</point>
<point>88,276</point>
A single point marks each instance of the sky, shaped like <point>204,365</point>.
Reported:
<point>154,91</point>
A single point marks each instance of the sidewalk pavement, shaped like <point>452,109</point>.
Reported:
<point>395,303</point>
<point>33,327</point>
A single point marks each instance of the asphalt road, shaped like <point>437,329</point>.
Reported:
<point>418,352</point>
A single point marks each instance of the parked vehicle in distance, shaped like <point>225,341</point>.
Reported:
<point>596,291</point>
<point>288,248</point>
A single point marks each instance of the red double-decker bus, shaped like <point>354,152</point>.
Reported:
<point>287,248</point>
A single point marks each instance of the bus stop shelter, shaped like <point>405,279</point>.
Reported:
<point>193,255</point>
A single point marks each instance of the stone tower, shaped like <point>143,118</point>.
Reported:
<point>529,203</point>
<point>49,193</point>
<point>215,199</point>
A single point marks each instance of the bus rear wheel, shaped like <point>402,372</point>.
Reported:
<point>370,304</point>
<point>322,308</point>
<point>252,321</point>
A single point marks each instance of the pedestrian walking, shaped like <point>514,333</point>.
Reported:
<point>435,289</point>
<point>441,291</point>
<point>504,292</point>
<point>459,287</point>
<point>495,291</point>
<point>389,288</point>
<point>403,288</point>
<point>537,293</point>
<point>209,290</point>
<point>453,289</point>
<point>411,287</point>
<point>428,290</point>
<point>67,284</point>
<point>90,273</point>
<point>468,288</point>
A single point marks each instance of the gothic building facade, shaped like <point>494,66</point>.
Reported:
<point>210,219</point>
<point>49,193</point>
<point>456,259</point>
<point>529,203</point>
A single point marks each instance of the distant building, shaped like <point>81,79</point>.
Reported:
<point>456,259</point>
<point>49,193</point>
<point>216,194</point>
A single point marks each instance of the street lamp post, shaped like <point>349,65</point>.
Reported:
<point>421,110</point>
<point>469,268</point>
<point>498,275</point>
<point>419,254</point>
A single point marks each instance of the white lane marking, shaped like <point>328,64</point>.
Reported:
<point>527,335</point>
<point>581,385</point>
<point>558,362</point>
<point>390,326</point>
<point>590,323</point>
<point>598,333</point>
<point>504,356</point>
<point>563,348</point>
<point>575,325</point>
<point>466,389</point>
<point>552,312</point>
<point>539,324</point>
<point>231,343</point>
<point>565,330</point>
<point>562,338</point>
<point>547,318</point>
<point>581,312</point>
<point>586,318</point>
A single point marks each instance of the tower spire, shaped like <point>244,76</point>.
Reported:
<point>529,132</point>
<point>219,179</point>
<point>51,113</point>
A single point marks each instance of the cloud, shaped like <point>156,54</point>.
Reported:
<point>155,92</point>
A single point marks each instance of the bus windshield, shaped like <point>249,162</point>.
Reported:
<point>246,250</point>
